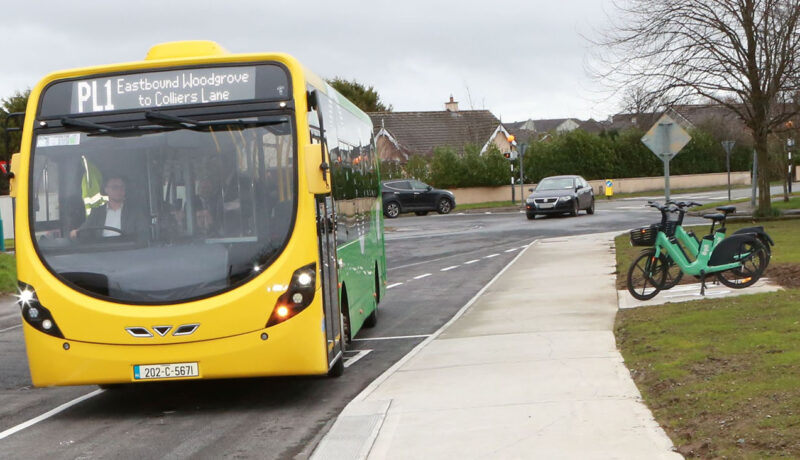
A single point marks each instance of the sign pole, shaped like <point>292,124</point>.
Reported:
<point>728,146</point>
<point>728,166</point>
<point>665,155</point>
<point>665,139</point>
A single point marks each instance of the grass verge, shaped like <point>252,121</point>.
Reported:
<point>777,202</point>
<point>722,376</point>
<point>660,192</point>
<point>8,274</point>
<point>490,204</point>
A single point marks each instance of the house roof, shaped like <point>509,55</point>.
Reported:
<point>421,132</point>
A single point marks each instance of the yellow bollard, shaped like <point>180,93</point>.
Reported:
<point>609,188</point>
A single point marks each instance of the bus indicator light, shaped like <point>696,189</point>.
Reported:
<point>47,324</point>
<point>299,294</point>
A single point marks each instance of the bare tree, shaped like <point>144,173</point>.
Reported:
<point>638,101</point>
<point>742,54</point>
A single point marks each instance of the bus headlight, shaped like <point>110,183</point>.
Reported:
<point>34,313</point>
<point>297,297</point>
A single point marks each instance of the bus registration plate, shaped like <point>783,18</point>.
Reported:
<point>165,371</point>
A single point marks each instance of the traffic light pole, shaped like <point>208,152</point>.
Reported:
<point>513,189</point>
<point>521,172</point>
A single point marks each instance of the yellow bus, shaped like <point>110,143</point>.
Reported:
<point>197,214</point>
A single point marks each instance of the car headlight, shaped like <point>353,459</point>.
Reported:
<point>564,198</point>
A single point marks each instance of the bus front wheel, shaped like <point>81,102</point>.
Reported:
<point>337,369</point>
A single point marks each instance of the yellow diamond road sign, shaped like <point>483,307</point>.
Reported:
<point>666,138</point>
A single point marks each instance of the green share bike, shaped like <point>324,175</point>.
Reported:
<point>737,261</point>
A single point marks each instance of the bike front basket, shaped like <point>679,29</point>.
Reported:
<point>644,236</point>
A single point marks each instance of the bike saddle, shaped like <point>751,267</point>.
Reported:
<point>727,209</point>
<point>715,217</point>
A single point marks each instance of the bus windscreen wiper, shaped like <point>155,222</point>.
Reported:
<point>196,125</point>
<point>88,126</point>
<point>97,129</point>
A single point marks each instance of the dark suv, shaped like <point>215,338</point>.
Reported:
<point>407,195</point>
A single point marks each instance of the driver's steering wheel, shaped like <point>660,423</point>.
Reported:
<point>100,227</point>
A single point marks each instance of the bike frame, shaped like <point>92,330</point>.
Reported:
<point>690,242</point>
<point>700,265</point>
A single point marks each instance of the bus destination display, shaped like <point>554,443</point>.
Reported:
<point>161,89</point>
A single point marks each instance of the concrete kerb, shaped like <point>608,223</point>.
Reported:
<point>358,425</point>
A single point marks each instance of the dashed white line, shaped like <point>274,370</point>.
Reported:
<point>422,276</point>
<point>471,261</point>
<point>46,415</point>
<point>491,255</point>
<point>511,250</point>
<point>452,267</point>
<point>393,285</point>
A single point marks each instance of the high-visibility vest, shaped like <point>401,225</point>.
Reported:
<point>91,186</point>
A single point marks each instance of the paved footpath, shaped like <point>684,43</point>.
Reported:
<point>529,370</point>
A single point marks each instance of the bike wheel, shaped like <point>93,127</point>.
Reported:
<point>646,275</point>
<point>673,275</point>
<point>754,259</point>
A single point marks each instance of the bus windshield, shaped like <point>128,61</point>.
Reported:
<point>165,212</point>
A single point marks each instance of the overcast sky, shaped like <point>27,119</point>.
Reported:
<point>518,58</point>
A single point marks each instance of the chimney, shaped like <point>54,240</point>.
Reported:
<point>451,106</point>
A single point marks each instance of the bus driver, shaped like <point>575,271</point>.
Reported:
<point>112,215</point>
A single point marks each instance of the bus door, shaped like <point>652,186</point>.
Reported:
<point>326,231</point>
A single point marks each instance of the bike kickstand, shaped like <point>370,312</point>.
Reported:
<point>703,283</point>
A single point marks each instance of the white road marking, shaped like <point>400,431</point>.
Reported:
<point>452,267</point>
<point>695,294</point>
<point>399,337</point>
<point>471,261</point>
<point>49,414</point>
<point>422,276</point>
<point>393,285</point>
<point>511,250</point>
<point>491,255</point>
<point>350,361</point>
<point>10,328</point>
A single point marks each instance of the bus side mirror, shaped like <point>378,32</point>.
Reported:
<point>12,174</point>
<point>317,169</point>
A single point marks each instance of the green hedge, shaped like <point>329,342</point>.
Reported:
<point>608,155</point>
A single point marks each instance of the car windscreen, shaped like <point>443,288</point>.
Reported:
<point>163,214</point>
<point>556,184</point>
